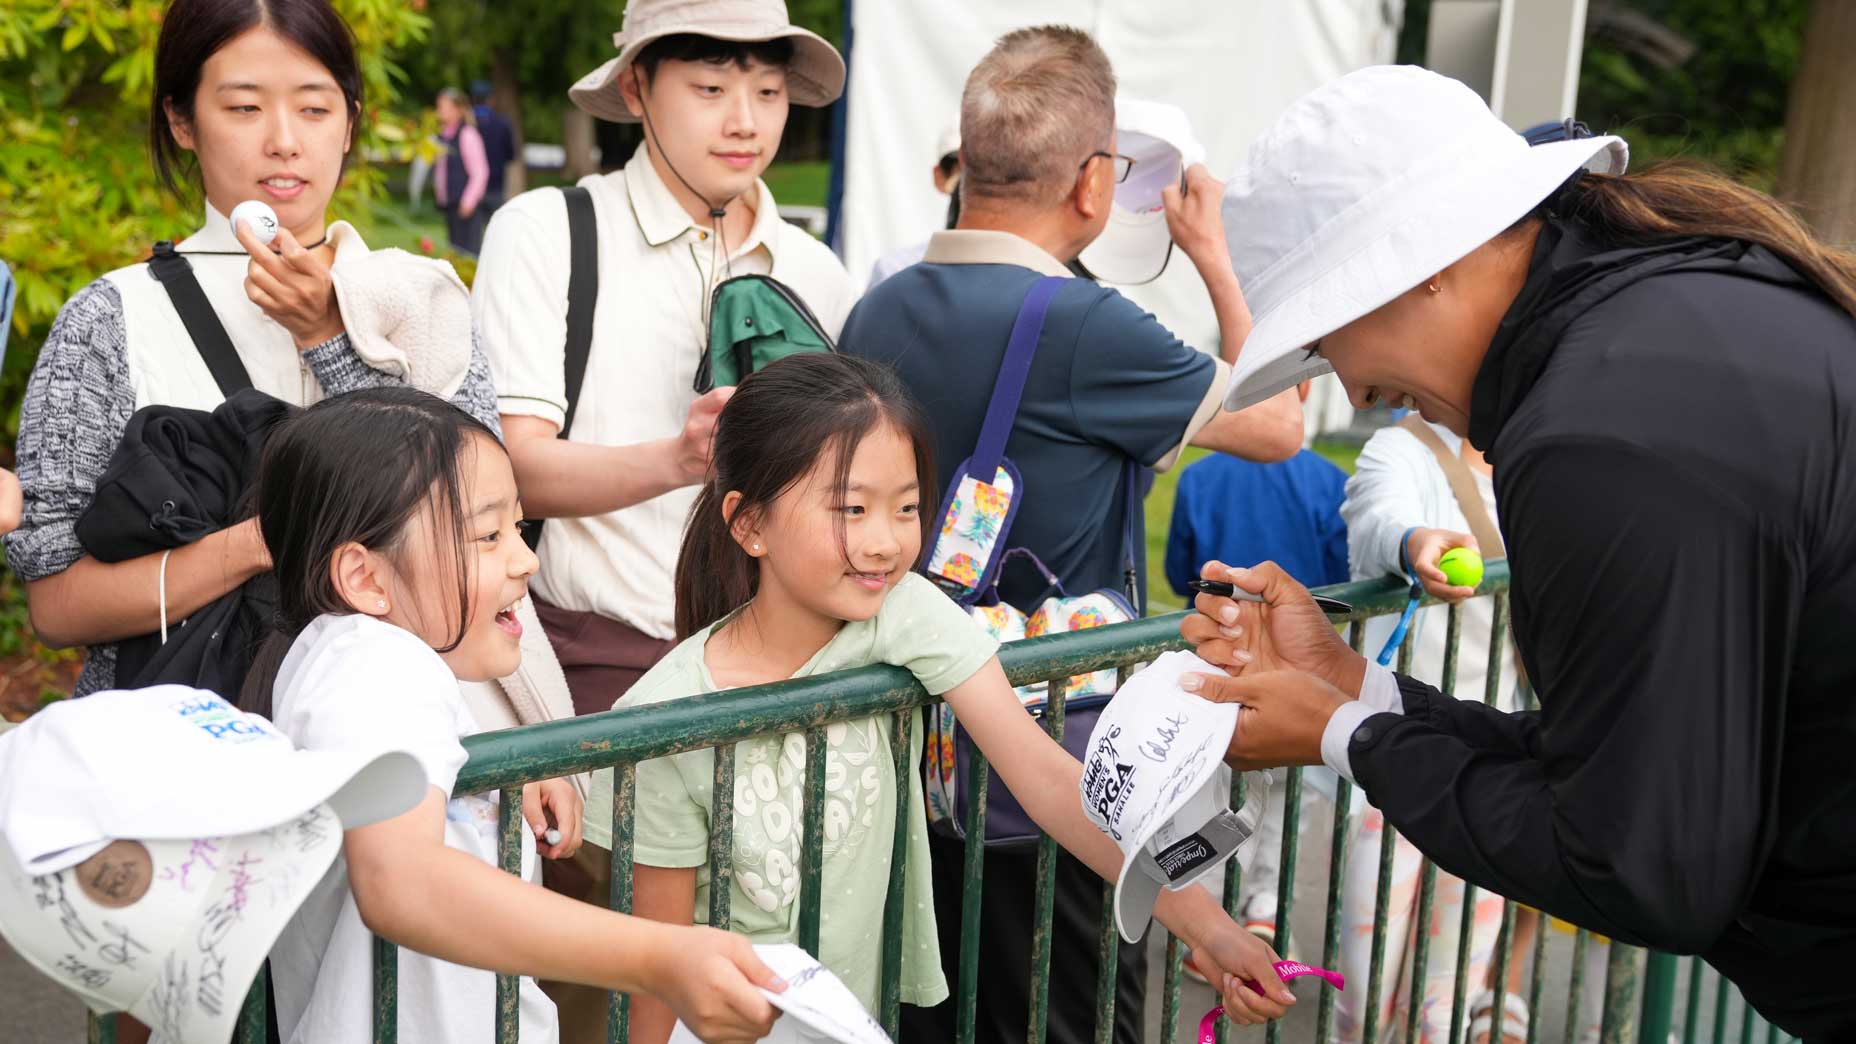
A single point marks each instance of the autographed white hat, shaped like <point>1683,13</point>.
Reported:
<point>1135,245</point>
<point>1363,189</point>
<point>154,843</point>
<point>1151,782</point>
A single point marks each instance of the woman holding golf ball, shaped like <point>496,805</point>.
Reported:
<point>1660,368</point>
<point>254,109</point>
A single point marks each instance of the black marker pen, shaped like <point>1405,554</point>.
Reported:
<point>1330,606</point>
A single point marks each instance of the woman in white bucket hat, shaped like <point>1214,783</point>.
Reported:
<point>1659,366</point>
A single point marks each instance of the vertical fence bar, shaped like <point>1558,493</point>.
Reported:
<point>1537,984</point>
<point>1108,941</point>
<point>249,1029</point>
<point>1233,890</point>
<point>1746,1021</point>
<point>509,857</point>
<point>1498,986</point>
<point>1169,1012</point>
<point>901,746</point>
<point>812,843</point>
<point>1108,952</point>
<point>722,836</point>
<point>619,893</point>
<point>1691,1021</point>
<point>1056,701</point>
<point>1420,931</point>
<point>1382,897</point>
<point>100,1029</point>
<point>1659,997</point>
<point>1622,977</point>
<point>966,995</point>
<point>1285,879</point>
<point>386,993</point>
<point>1581,943</point>
<point>1337,871</point>
<point>1465,936</point>
<point>1773,1036</point>
<point>1721,994</point>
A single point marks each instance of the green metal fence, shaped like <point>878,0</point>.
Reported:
<point>1640,991</point>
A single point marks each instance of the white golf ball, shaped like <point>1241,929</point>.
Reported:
<point>259,215</point>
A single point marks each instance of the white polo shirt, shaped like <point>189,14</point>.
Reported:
<point>655,277</point>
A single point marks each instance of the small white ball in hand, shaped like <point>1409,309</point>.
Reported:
<point>553,836</point>
<point>259,215</point>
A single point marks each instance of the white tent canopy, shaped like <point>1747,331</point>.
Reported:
<point>1232,66</point>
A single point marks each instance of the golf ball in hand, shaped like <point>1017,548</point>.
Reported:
<point>259,215</point>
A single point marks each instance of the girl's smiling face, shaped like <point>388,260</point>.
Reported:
<point>423,594</point>
<point>835,551</point>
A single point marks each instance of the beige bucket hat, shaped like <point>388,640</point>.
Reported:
<point>815,77</point>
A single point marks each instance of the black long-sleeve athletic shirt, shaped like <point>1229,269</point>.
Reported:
<point>1673,432</point>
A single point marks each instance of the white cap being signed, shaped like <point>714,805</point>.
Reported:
<point>153,844</point>
<point>1151,782</point>
<point>818,1008</point>
<point>1135,244</point>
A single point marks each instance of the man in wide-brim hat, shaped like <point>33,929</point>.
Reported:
<point>711,81</point>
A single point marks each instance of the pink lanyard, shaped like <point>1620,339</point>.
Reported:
<point>1285,970</point>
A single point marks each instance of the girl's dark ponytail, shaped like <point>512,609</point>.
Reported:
<point>255,695</point>
<point>780,423</point>
<point>715,576</point>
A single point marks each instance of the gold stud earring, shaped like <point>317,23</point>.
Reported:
<point>1434,287</point>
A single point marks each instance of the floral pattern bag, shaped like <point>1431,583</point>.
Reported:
<point>970,551</point>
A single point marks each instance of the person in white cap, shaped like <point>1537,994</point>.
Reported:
<point>1659,367</point>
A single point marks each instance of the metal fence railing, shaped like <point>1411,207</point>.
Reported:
<point>1640,989</point>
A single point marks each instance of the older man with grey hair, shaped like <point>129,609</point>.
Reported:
<point>1108,385</point>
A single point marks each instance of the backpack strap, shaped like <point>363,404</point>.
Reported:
<point>1462,485</point>
<point>1009,388</point>
<point>582,295</point>
<point>582,292</point>
<point>209,338</point>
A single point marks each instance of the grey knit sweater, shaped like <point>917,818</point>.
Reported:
<point>78,403</point>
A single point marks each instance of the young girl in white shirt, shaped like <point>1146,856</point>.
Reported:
<point>391,519</point>
<point>797,561</point>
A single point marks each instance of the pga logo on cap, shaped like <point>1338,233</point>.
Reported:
<point>1151,781</point>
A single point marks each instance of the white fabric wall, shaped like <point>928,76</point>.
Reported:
<point>1231,64</point>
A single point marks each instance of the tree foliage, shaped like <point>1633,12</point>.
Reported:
<point>77,195</point>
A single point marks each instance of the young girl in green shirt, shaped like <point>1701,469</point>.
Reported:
<point>797,561</point>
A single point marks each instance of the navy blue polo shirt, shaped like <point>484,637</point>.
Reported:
<point>1108,384</point>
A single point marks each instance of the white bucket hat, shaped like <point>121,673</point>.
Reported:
<point>815,77</point>
<point>1151,781</point>
<point>1135,245</point>
<point>153,844</point>
<point>1365,188</point>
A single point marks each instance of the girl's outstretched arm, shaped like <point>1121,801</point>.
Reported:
<point>666,894</point>
<point>1045,780</point>
<point>409,887</point>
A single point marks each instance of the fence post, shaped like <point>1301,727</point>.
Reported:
<point>1659,997</point>
<point>1623,971</point>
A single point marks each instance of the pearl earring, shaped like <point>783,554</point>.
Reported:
<point>756,547</point>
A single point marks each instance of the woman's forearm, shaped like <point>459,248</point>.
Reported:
<point>92,602</point>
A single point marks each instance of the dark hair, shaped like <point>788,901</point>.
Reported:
<point>1680,198</point>
<point>194,30</point>
<point>320,487</point>
<point>782,421</point>
<point>691,47</point>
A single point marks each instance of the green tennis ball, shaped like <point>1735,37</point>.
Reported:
<point>1462,567</point>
